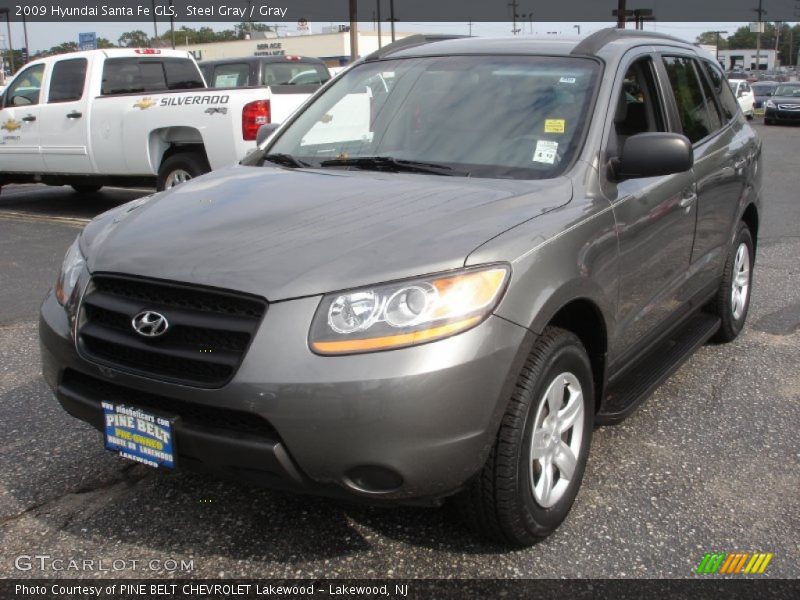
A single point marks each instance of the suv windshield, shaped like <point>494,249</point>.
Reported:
<point>484,116</point>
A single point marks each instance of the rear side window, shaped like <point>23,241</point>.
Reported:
<point>67,80</point>
<point>698,117</point>
<point>294,73</point>
<point>231,75</point>
<point>140,75</point>
<point>727,101</point>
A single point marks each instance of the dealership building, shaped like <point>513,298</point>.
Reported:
<point>746,59</point>
<point>332,46</point>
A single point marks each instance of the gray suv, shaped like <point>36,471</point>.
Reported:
<point>431,283</point>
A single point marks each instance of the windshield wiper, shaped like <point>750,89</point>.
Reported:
<point>389,163</point>
<point>286,160</point>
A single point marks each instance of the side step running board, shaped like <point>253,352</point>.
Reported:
<point>625,393</point>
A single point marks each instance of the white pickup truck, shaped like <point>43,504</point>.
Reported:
<point>128,117</point>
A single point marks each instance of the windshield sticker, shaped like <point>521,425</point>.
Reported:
<point>545,152</point>
<point>567,80</point>
<point>554,125</point>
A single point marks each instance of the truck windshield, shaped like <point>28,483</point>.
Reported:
<point>519,117</point>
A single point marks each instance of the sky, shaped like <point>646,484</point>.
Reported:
<point>42,36</point>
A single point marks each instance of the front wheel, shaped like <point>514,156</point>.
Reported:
<point>180,168</point>
<point>733,298</point>
<point>533,472</point>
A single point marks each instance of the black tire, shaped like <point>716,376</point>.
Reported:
<point>193,164</point>
<point>768,121</point>
<point>732,325</point>
<point>86,188</point>
<point>499,504</point>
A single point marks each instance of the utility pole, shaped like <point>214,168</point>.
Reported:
<point>777,39</point>
<point>10,43</point>
<point>378,19</point>
<point>391,16</point>
<point>470,29</point>
<point>155,23</point>
<point>717,48</point>
<point>172,24</point>
<point>760,12</point>
<point>353,30</point>
<point>622,13</point>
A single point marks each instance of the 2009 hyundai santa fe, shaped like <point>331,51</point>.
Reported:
<point>430,283</point>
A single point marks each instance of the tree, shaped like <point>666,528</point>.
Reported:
<point>105,43</point>
<point>709,38</point>
<point>134,39</point>
<point>244,28</point>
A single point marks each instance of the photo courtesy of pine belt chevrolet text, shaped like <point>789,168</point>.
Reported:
<point>430,283</point>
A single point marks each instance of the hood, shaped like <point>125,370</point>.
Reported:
<point>283,233</point>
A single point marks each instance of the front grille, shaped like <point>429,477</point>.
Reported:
<point>789,106</point>
<point>84,386</point>
<point>208,335</point>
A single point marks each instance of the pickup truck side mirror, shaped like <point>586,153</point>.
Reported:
<point>653,155</point>
<point>265,131</point>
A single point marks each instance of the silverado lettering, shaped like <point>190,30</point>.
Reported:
<point>188,100</point>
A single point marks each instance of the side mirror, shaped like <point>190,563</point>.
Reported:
<point>21,101</point>
<point>653,155</point>
<point>265,131</point>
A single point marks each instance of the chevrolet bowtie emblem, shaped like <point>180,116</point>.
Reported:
<point>11,125</point>
<point>144,103</point>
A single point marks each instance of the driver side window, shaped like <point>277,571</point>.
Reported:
<point>26,89</point>
<point>638,107</point>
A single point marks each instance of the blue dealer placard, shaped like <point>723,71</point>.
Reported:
<point>138,435</point>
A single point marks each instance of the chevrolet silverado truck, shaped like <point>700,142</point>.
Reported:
<point>128,117</point>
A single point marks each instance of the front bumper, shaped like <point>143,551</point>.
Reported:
<point>776,114</point>
<point>403,426</point>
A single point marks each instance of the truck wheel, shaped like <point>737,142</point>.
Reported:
<point>181,167</point>
<point>86,189</point>
<point>733,298</point>
<point>533,472</point>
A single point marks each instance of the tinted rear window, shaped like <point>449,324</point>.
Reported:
<point>295,73</point>
<point>140,75</point>
<point>231,75</point>
<point>66,82</point>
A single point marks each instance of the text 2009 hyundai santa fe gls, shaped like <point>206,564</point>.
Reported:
<point>431,282</point>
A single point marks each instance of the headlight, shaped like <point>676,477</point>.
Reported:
<point>406,313</point>
<point>769,104</point>
<point>70,271</point>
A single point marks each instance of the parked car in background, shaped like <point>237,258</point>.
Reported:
<point>762,91</point>
<point>744,96</point>
<point>259,71</point>
<point>432,281</point>
<point>127,117</point>
<point>784,105</point>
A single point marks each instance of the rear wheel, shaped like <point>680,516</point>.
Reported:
<point>733,298</point>
<point>180,168</point>
<point>86,188</point>
<point>533,472</point>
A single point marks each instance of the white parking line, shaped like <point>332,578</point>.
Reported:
<point>12,215</point>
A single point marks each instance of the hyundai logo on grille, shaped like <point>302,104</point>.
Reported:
<point>150,324</point>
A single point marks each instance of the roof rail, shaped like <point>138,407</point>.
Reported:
<point>592,44</point>
<point>410,42</point>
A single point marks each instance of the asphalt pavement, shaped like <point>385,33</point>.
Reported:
<point>710,463</point>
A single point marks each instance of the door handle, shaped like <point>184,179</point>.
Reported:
<point>687,200</point>
<point>29,119</point>
<point>74,115</point>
